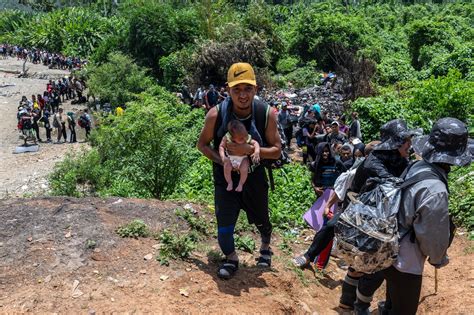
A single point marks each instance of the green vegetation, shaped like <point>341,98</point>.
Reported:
<point>396,58</point>
<point>196,223</point>
<point>245,243</point>
<point>175,246</point>
<point>461,198</point>
<point>135,229</point>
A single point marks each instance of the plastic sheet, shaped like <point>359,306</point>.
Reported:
<point>367,230</point>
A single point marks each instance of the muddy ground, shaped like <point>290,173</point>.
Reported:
<point>48,266</point>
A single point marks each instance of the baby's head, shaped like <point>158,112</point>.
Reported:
<point>237,131</point>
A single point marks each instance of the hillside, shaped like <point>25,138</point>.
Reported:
<point>49,266</point>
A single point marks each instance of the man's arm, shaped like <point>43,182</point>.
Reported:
<point>431,227</point>
<point>206,136</point>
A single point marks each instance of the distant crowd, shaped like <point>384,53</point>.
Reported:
<point>40,56</point>
<point>43,110</point>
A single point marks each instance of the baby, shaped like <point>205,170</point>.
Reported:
<point>239,135</point>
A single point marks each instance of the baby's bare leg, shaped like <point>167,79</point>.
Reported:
<point>244,171</point>
<point>228,175</point>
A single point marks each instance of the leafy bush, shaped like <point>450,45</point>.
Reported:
<point>135,229</point>
<point>287,64</point>
<point>319,36</point>
<point>77,175</point>
<point>196,223</point>
<point>376,111</point>
<point>426,33</point>
<point>117,81</point>
<point>394,68</point>
<point>293,195</point>
<point>245,243</point>
<point>461,197</point>
<point>304,76</point>
<point>72,31</point>
<point>156,29</point>
<point>175,246</point>
<point>447,96</point>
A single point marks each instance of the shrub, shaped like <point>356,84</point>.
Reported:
<point>245,243</point>
<point>461,197</point>
<point>394,68</point>
<point>447,96</point>
<point>117,81</point>
<point>73,31</point>
<point>175,246</point>
<point>287,64</point>
<point>77,175</point>
<point>304,76</point>
<point>196,223</point>
<point>425,33</point>
<point>135,229</point>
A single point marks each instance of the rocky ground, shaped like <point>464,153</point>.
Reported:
<point>25,174</point>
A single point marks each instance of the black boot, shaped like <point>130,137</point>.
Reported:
<point>348,295</point>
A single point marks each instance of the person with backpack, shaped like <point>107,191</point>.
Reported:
<point>47,125</point>
<point>85,122</point>
<point>60,124</point>
<point>389,159</point>
<point>36,115</point>
<point>261,124</point>
<point>424,216</point>
<point>71,124</point>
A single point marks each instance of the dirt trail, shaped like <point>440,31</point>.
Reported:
<point>47,267</point>
<point>25,174</point>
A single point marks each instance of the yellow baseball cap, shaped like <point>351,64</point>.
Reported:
<point>241,72</point>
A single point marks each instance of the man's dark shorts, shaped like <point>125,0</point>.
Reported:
<point>253,199</point>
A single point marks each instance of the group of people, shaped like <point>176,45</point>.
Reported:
<point>41,56</point>
<point>44,110</point>
<point>205,98</point>
<point>243,128</point>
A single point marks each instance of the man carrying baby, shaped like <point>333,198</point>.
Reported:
<point>261,125</point>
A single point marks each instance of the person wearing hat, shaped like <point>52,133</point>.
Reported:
<point>424,214</point>
<point>261,124</point>
<point>388,159</point>
<point>335,136</point>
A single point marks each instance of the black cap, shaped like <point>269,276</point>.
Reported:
<point>393,134</point>
<point>447,143</point>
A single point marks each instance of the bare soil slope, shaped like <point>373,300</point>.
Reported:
<point>47,267</point>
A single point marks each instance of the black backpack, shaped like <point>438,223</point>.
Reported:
<point>260,112</point>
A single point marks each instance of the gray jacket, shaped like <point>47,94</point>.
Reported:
<point>425,209</point>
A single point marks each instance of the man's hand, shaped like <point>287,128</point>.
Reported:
<point>327,213</point>
<point>443,262</point>
<point>240,149</point>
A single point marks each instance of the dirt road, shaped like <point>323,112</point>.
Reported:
<point>47,265</point>
<point>25,174</point>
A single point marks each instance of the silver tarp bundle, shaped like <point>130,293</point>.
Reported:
<point>367,232</point>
